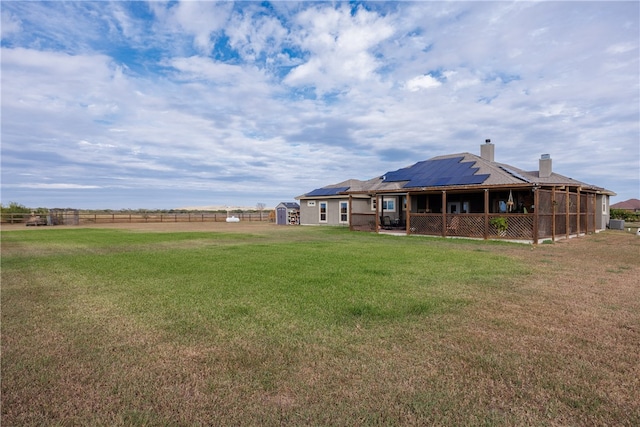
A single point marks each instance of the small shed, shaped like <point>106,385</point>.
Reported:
<point>288,213</point>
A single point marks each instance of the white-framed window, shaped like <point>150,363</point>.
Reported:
<point>388,204</point>
<point>323,211</point>
<point>344,212</point>
<point>604,205</point>
<point>311,203</point>
<point>453,207</point>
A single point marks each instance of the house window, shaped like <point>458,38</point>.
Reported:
<point>344,212</point>
<point>604,205</point>
<point>453,207</point>
<point>311,203</point>
<point>323,211</point>
<point>388,205</point>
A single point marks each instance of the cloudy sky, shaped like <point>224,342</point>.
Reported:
<point>185,103</point>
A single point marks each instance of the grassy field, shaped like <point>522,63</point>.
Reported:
<point>267,325</point>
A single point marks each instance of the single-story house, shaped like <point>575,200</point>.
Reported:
<point>631,205</point>
<point>288,213</point>
<point>463,195</point>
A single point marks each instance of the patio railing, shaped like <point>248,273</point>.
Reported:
<point>363,222</point>
<point>520,226</point>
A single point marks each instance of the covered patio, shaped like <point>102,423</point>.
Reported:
<point>527,213</point>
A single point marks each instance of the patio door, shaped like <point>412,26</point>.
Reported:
<point>453,207</point>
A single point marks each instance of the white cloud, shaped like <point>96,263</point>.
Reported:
<point>205,99</point>
<point>253,34</point>
<point>55,186</point>
<point>422,82</point>
<point>339,47</point>
<point>622,48</point>
<point>200,19</point>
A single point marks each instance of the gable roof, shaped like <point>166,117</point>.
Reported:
<point>631,204</point>
<point>462,169</point>
<point>290,205</point>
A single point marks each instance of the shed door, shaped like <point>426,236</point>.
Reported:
<point>281,216</point>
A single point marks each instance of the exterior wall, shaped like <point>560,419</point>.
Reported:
<point>310,215</point>
<point>602,211</point>
<point>361,206</point>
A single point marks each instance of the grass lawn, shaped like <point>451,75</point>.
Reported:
<point>316,326</point>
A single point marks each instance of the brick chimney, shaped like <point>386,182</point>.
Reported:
<point>487,150</point>
<point>545,166</point>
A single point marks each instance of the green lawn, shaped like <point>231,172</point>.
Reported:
<point>312,326</point>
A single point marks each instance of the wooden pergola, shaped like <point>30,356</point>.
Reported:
<point>554,212</point>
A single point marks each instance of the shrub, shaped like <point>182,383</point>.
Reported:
<point>625,215</point>
<point>500,223</point>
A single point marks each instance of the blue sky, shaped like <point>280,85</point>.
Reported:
<point>184,103</point>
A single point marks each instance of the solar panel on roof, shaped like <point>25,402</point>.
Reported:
<point>440,172</point>
<point>330,191</point>
<point>514,173</point>
<point>473,179</point>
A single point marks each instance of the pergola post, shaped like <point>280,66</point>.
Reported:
<point>486,213</point>
<point>408,213</point>
<point>350,210</point>
<point>553,216</point>
<point>567,218</point>
<point>578,210</point>
<point>444,213</point>
<point>378,203</point>
<point>536,206</point>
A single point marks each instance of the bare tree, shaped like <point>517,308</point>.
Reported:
<point>260,206</point>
